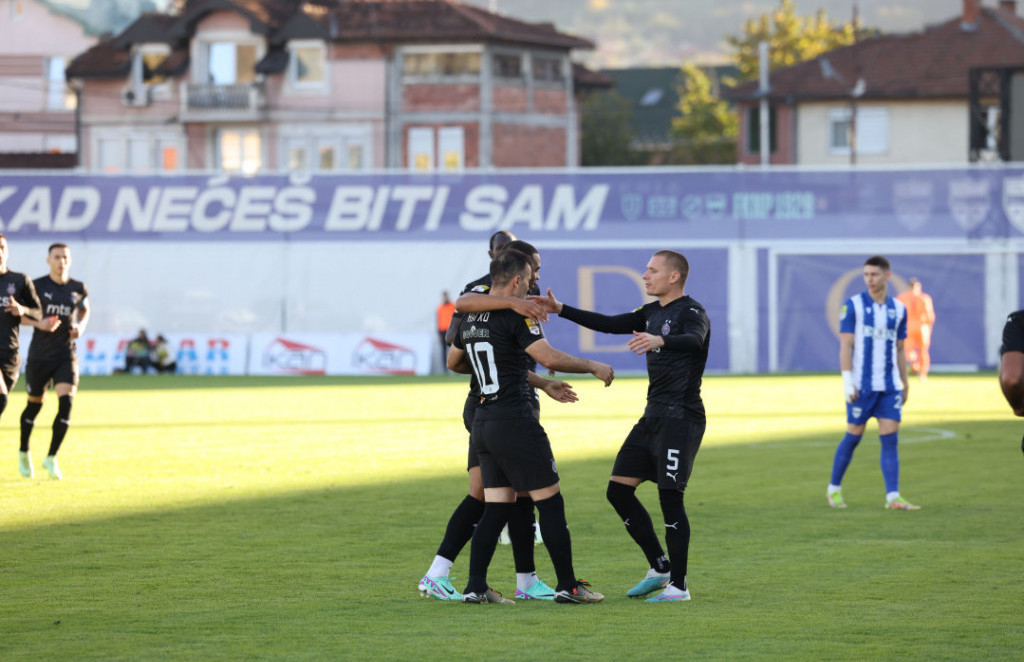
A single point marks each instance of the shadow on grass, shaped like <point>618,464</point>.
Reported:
<point>331,573</point>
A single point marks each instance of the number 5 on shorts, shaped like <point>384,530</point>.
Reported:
<point>672,457</point>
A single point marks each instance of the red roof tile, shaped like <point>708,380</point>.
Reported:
<point>933,63</point>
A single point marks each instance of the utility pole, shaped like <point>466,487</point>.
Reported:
<point>853,92</point>
<point>763,113</point>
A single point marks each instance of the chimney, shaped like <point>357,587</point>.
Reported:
<point>972,11</point>
<point>1008,6</point>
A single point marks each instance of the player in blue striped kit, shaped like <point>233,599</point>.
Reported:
<point>872,328</point>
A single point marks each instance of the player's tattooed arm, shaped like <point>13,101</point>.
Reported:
<point>457,361</point>
<point>1011,380</point>
<point>472,302</point>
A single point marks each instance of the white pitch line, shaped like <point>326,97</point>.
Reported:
<point>931,434</point>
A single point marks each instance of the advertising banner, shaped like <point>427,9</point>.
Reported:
<point>196,354</point>
<point>726,204</point>
<point>812,288</point>
<point>340,354</point>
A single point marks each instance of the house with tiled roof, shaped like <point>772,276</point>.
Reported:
<point>37,108</point>
<point>893,99</point>
<point>325,86</point>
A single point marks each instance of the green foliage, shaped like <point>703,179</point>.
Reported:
<point>707,129</point>
<point>791,38</point>
<point>607,133</point>
<point>291,518</point>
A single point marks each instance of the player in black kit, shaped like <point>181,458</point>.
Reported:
<point>515,455</point>
<point>19,302</point>
<point>51,354</point>
<point>674,333</point>
<point>1011,364</point>
<point>436,582</point>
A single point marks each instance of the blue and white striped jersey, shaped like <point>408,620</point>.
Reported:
<point>876,327</point>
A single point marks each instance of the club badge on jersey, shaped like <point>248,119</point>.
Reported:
<point>532,326</point>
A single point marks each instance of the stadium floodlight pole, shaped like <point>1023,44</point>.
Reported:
<point>762,51</point>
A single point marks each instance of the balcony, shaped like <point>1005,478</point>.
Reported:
<point>209,101</point>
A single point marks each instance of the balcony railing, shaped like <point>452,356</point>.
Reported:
<point>200,97</point>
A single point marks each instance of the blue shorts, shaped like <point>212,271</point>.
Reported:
<point>875,404</point>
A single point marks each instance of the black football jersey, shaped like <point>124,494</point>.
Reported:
<point>1013,333</point>
<point>495,343</point>
<point>62,301</point>
<point>482,285</point>
<point>676,370</point>
<point>18,287</point>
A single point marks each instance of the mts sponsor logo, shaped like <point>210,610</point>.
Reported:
<point>294,358</point>
<point>380,357</point>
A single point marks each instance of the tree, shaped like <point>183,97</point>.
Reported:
<point>606,131</point>
<point>791,38</point>
<point>707,129</point>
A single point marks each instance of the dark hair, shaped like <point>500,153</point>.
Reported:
<point>521,246</point>
<point>507,265</point>
<point>677,262</point>
<point>501,237</point>
<point>914,281</point>
<point>59,244</point>
<point>877,261</point>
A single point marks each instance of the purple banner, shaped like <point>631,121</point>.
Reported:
<point>607,205</point>
<point>812,288</point>
<point>609,282</point>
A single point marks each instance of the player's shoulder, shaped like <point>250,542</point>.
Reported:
<point>481,285</point>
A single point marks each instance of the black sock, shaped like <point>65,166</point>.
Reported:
<point>460,527</point>
<point>520,531</point>
<point>60,423</point>
<point>638,523</point>
<point>556,538</point>
<point>28,419</point>
<point>677,534</point>
<point>485,539</point>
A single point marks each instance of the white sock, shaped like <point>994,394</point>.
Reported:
<point>440,567</point>
<point>654,573</point>
<point>525,580</point>
<point>672,589</point>
<point>832,489</point>
<point>892,495</point>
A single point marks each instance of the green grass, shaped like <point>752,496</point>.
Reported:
<point>290,519</point>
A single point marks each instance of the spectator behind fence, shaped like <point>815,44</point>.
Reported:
<point>163,360</point>
<point>137,354</point>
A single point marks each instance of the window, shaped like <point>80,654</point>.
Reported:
<point>547,69</point>
<point>872,131</point>
<point>239,150</point>
<point>754,130</point>
<point>508,66</point>
<point>421,149</point>
<point>307,66</point>
<point>441,64</point>
<point>58,95</point>
<point>118,150</point>
<point>230,63</point>
<point>450,150</point>
<point>60,144</point>
<point>324,147</point>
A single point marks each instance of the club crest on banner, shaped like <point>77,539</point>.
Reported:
<point>969,202</point>
<point>632,205</point>
<point>1013,200</point>
<point>912,200</point>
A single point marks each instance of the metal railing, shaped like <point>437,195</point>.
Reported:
<point>209,96</point>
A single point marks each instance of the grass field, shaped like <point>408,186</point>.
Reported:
<point>290,519</point>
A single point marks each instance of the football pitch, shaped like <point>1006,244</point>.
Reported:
<point>291,519</point>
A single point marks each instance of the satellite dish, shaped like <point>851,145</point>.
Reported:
<point>827,71</point>
<point>859,89</point>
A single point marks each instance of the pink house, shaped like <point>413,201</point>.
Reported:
<point>244,86</point>
<point>37,108</point>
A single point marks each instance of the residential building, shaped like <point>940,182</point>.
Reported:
<point>244,86</point>
<point>892,99</point>
<point>37,108</point>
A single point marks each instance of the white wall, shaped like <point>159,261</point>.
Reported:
<point>268,286</point>
<point>919,132</point>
